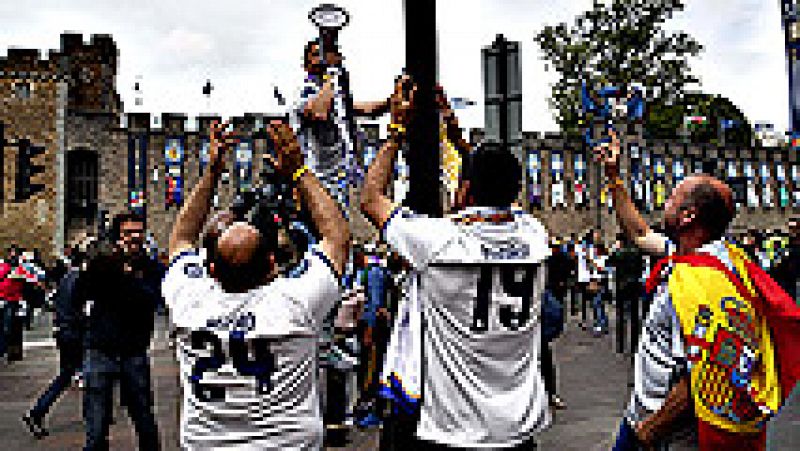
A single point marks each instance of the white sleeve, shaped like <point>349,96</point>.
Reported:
<point>317,287</point>
<point>418,238</point>
<point>185,286</point>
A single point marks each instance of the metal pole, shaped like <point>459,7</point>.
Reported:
<point>423,136</point>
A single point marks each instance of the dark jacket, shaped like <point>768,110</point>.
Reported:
<point>121,305</point>
<point>628,264</point>
<point>67,321</point>
<point>559,271</point>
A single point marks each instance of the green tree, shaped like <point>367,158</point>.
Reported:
<point>618,42</point>
<point>666,121</point>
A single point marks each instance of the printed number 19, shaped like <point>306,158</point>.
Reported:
<point>513,287</point>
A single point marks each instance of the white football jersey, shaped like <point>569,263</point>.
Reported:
<point>480,287</point>
<point>248,361</point>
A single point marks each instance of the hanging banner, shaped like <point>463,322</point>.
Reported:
<point>766,186</point>
<point>534,179</point>
<point>244,165</point>
<point>557,187</point>
<point>580,180</point>
<point>796,184</point>
<point>647,178</point>
<point>678,172</point>
<point>752,193</point>
<point>660,181</point>
<point>783,188</point>
<point>204,145</point>
<point>173,173</point>
<point>137,173</point>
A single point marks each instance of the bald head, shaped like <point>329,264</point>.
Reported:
<point>710,200</point>
<point>241,259</point>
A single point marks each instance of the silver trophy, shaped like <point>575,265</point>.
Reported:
<point>329,19</point>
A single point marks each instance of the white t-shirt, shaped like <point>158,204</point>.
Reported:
<point>248,361</point>
<point>480,287</point>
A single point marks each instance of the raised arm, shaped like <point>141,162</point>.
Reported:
<point>190,220</point>
<point>325,212</point>
<point>319,106</point>
<point>371,109</point>
<point>375,204</point>
<point>628,216</point>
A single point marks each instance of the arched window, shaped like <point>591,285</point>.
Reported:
<point>81,195</point>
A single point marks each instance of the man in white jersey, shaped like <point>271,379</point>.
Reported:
<point>247,338</point>
<point>480,278</point>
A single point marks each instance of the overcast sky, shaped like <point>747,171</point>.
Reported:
<point>245,47</point>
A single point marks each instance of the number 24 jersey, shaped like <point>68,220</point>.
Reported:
<point>248,361</point>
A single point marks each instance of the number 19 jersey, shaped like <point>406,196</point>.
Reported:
<point>480,284</point>
<point>248,361</point>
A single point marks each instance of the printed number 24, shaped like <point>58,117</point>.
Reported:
<point>512,287</point>
<point>261,367</point>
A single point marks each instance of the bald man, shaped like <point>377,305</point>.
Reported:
<point>247,337</point>
<point>696,217</point>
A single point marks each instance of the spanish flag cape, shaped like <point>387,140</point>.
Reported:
<point>741,332</point>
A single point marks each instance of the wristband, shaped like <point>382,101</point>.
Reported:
<point>398,127</point>
<point>299,172</point>
<point>617,182</point>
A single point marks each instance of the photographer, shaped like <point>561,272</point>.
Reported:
<point>118,294</point>
<point>248,337</point>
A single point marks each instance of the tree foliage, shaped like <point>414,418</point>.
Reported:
<point>664,121</point>
<point>618,42</point>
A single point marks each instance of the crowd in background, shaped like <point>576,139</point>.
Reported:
<point>585,278</point>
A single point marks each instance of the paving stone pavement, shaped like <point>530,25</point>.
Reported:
<point>593,380</point>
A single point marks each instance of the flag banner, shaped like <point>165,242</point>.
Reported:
<point>204,145</point>
<point>796,184</point>
<point>766,186</point>
<point>580,180</point>
<point>244,165</point>
<point>731,169</point>
<point>557,192</point>
<point>173,171</point>
<point>636,180</point>
<point>784,196</point>
<point>677,172</point>
<point>558,195</point>
<point>137,172</point>
<point>534,179</point>
<point>749,172</point>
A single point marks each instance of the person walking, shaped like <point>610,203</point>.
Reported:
<point>68,330</point>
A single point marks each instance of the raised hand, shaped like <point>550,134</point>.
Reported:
<point>219,143</point>
<point>402,101</point>
<point>288,156</point>
<point>608,154</point>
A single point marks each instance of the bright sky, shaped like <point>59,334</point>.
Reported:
<point>248,48</point>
